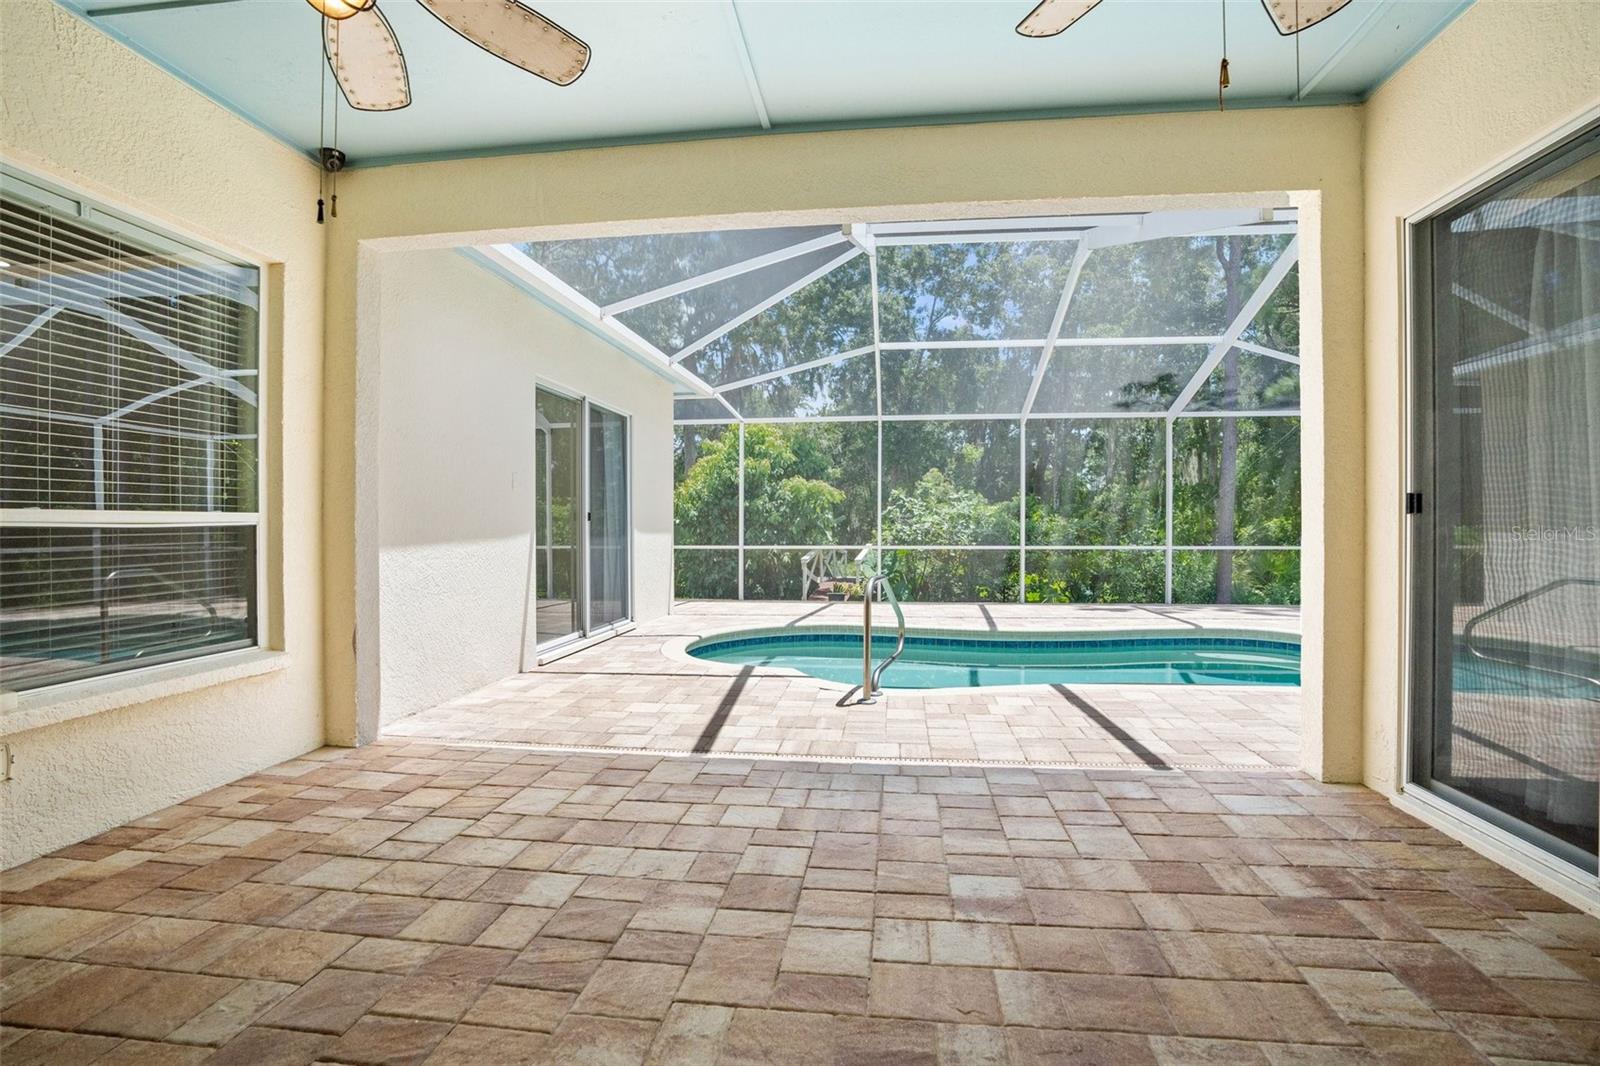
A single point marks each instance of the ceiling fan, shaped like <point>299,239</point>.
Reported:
<point>367,62</point>
<point>1051,17</point>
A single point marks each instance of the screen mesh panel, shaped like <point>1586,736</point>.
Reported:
<point>1096,481</point>
<point>843,388</point>
<point>1175,286</point>
<point>1020,409</point>
<point>677,321</point>
<point>1094,378</point>
<point>942,380</point>
<point>982,291</point>
<point>827,317</point>
<point>608,269</point>
<point>1245,381</point>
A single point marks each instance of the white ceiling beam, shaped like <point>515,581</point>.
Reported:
<point>860,235</point>
<point>965,225</point>
<point>827,360</point>
<point>146,401</point>
<point>1270,353</point>
<point>981,236</point>
<point>1568,337</point>
<point>751,312</point>
<point>95,420</point>
<point>732,270</point>
<point>996,416</point>
<point>1182,220</point>
<point>1252,307</point>
<point>517,263</point>
<point>1170,224</point>
<point>1568,214</point>
<point>1128,342</point>
<point>194,364</point>
<point>758,99</point>
<point>1357,34</point>
<point>30,329</point>
<point>1488,306</point>
<point>1194,223</point>
<point>917,346</point>
<point>1060,342</point>
<point>734,411</point>
<point>140,6</point>
<point>1079,258</point>
<point>1253,229</point>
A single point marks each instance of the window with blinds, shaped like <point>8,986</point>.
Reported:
<point>129,452</point>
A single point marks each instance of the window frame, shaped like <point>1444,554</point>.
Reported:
<point>99,689</point>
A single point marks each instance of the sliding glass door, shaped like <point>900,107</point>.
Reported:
<point>557,491</point>
<point>582,569</point>
<point>608,517</point>
<point>1506,536</point>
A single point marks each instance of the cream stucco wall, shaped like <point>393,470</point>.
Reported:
<point>1502,76</point>
<point>78,108</point>
<point>461,353</point>
<point>1311,157</point>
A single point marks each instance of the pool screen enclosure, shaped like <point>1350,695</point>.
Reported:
<point>1044,409</point>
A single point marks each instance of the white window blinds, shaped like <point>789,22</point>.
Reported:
<point>129,463</point>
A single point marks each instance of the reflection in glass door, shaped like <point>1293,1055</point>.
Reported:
<point>608,517</point>
<point>583,571</point>
<point>558,425</point>
<point>1506,623</point>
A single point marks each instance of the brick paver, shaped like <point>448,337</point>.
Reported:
<point>414,902</point>
<point>639,691</point>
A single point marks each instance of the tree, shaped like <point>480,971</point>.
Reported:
<point>963,481</point>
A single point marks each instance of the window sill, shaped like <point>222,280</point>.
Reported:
<point>33,709</point>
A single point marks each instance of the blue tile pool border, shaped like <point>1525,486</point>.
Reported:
<point>914,639</point>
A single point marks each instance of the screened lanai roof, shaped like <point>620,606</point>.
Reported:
<point>1103,315</point>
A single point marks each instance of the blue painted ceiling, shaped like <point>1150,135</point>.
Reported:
<point>665,69</point>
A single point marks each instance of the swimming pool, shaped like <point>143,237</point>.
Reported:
<point>935,659</point>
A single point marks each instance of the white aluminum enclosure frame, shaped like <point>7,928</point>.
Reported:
<point>51,196</point>
<point>1089,232</point>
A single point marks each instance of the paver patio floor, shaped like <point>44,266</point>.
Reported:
<point>413,902</point>
<point>636,692</point>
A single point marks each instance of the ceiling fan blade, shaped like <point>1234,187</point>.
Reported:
<point>366,60</point>
<point>1053,16</point>
<point>516,33</point>
<point>1292,16</point>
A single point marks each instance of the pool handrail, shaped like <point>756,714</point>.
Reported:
<point>869,676</point>
<point>1516,601</point>
<point>111,579</point>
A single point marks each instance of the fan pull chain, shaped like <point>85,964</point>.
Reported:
<point>329,158</point>
<point>322,128</point>
<point>338,156</point>
<point>1222,74</point>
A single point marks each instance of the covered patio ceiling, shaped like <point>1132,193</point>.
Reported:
<point>674,69</point>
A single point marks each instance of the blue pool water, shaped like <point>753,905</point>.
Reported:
<point>932,661</point>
